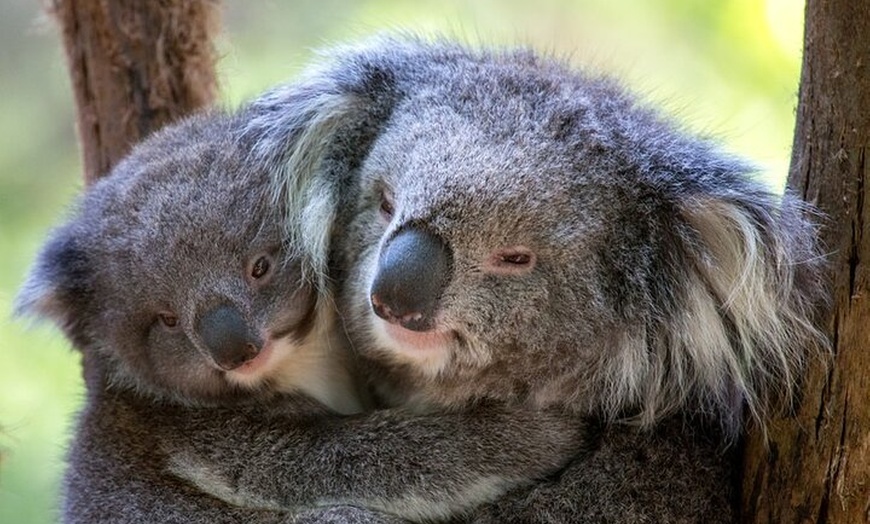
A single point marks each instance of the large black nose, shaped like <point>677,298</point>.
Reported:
<point>413,270</point>
<point>227,337</point>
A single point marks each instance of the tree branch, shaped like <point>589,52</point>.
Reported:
<point>135,66</point>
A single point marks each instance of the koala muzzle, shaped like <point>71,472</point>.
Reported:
<point>227,337</point>
<point>413,270</point>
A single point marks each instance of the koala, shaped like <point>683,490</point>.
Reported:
<point>206,329</point>
<point>509,229</point>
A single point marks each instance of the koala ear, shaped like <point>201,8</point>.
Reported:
<point>58,286</point>
<point>754,286</point>
<point>310,135</point>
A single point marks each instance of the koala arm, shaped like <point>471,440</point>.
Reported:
<point>346,515</point>
<point>673,473</point>
<point>414,466</point>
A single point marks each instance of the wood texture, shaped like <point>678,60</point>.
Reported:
<point>135,66</point>
<point>816,466</point>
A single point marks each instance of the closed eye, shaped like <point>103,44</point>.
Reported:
<point>513,260</point>
<point>516,259</point>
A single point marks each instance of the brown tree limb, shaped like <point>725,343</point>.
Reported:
<point>135,66</point>
<point>816,465</point>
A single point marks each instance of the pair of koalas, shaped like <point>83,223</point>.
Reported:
<point>560,303</point>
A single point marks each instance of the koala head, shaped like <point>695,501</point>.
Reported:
<point>172,271</point>
<point>521,231</point>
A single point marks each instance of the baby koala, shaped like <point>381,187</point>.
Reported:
<point>205,332</point>
<point>173,279</point>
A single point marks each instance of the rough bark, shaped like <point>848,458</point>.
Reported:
<point>135,66</point>
<point>816,465</point>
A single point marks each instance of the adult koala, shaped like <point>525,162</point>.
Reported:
<point>514,230</point>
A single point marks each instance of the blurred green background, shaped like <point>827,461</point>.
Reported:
<point>728,68</point>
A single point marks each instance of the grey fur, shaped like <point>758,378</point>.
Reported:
<point>669,292</point>
<point>166,433</point>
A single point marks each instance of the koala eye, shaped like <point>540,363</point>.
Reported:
<point>387,207</point>
<point>261,267</point>
<point>514,260</point>
<point>168,319</point>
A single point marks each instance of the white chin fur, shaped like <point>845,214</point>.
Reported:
<point>318,367</point>
<point>252,374</point>
<point>429,353</point>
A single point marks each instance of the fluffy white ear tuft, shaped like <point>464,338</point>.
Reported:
<point>740,328</point>
<point>57,287</point>
<point>39,297</point>
<point>294,130</point>
<point>745,331</point>
<point>310,195</point>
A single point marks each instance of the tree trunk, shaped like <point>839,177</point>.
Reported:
<point>135,66</point>
<point>816,465</point>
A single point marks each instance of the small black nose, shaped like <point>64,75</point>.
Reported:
<point>227,337</point>
<point>413,270</point>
